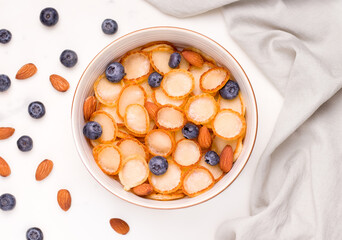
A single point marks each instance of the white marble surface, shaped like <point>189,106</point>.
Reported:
<point>79,28</point>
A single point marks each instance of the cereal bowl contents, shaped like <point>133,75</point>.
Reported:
<point>149,153</point>
<point>166,124</point>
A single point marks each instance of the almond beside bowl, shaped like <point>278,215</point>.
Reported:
<point>181,38</point>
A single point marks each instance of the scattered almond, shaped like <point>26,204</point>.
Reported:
<point>226,158</point>
<point>5,169</point>
<point>193,58</point>
<point>204,137</point>
<point>89,107</point>
<point>26,71</point>
<point>119,225</point>
<point>64,199</point>
<point>151,109</point>
<point>143,189</point>
<point>59,83</point>
<point>6,132</point>
<point>44,169</point>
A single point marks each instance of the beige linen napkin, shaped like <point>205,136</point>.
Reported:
<point>297,189</point>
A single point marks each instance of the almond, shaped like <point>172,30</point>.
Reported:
<point>64,199</point>
<point>193,58</point>
<point>226,158</point>
<point>26,71</point>
<point>143,189</point>
<point>59,83</point>
<point>5,169</point>
<point>6,132</point>
<point>204,137</point>
<point>151,109</point>
<point>89,107</point>
<point>44,169</point>
<point>119,225</point>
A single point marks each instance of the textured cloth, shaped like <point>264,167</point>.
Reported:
<point>298,182</point>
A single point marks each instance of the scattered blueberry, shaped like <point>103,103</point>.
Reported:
<point>34,234</point>
<point>49,16</point>
<point>109,26</point>
<point>174,60</point>
<point>92,130</point>
<point>7,202</point>
<point>115,72</point>
<point>5,82</point>
<point>158,165</point>
<point>155,79</point>
<point>36,109</point>
<point>25,143</point>
<point>230,90</point>
<point>68,58</point>
<point>190,131</point>
<point>5,36</point>
<point>211,158</point>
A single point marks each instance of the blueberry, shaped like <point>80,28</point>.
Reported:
<point>155,79</point>
<point>190,131</point>
<point>5,82</point>
<point>34,234</point>
<point>230,90</point>
<point>174,60</point>
<point>92,130</point>
<point>5,36</point>
<point>36,109</point>
<point>68,58</point>
<point>49,16</point>
<point>158,165</point>
<point>211,158</point>
<point>25,143</point>
<point>109,26</point>
<point>115,72</point>
<point>7,202</point>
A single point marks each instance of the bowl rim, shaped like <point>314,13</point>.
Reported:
<point>171,28</point>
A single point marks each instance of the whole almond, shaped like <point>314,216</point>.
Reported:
<point>6,132</point>
<point>151,109</point>
<point>59,83</point>
<point>204,137</point>
<point>226,158</point>
<point>64,199</point>
<point>26,71</point>
<point>5,169</point>
<point>193,58</point>
<point>119,225</point>
<point>143,189</point>
<point>89,107</point>
<point>44,169</point>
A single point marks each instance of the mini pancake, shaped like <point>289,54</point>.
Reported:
<point>201,109</point>
<point>130,94</point>
<point>197,181</point>
<point>108,158</point>
<point>187,153</point>
<point>137,119</point>
<point>107,92</point>
<point>137,66</point>
<point>229,125</point>
<point>131,146</point>
<point>171,118</point>
<point>134,171</point>
<point>108,124</point>
<point>168,182</point>
<point>214,79</point>
<point>197,73</point>
<point>178,84</point>
<point>160,142</point>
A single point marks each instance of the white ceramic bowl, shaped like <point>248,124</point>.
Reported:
<point>180,37</point>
